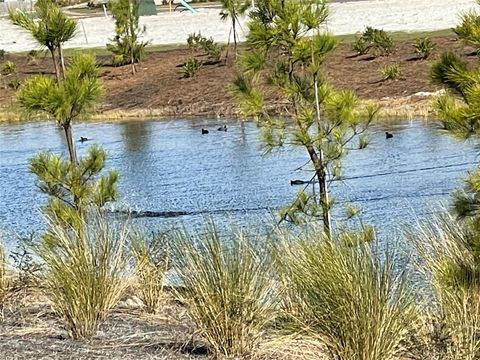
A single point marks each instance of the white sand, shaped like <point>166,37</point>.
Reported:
<point>345,18</point>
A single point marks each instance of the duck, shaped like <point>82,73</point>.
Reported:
<point>204,131</point>
<point>388,135</point>
<point>222,128</point>
<point>82,139</point>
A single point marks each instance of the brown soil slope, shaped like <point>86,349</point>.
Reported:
<point>159,87</point>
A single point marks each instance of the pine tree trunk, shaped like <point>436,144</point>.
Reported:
<point>319,163</point>
<point>55,65</point>
<point>317,160</point>
<point>228,46</point>
<point>71,145</point>
<point>234,36</point>
<point>62,61</point>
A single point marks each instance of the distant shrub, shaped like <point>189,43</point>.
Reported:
<point>2,53</point>
<point>376,40</point>
<point>14,84</point>
<point>360,46</point>
<point>391,72</point>
<point>197,41</point>
<point>423,47</point>
<point>33,53</point>
<point>193,41</point>
<point>191,67</point>
<point>212,49</point>
<point>9,67</point>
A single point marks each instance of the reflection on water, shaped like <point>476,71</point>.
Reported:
<point>168,166</point>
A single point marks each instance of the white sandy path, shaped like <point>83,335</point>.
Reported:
<point>345,18</point>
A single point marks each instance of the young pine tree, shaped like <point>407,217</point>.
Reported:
<point>67,100</point>
<point>459,108</point>
<point>74,189</point>
<point>52,29</point>
<point>287,47</point>
<point>126,47</point>
<point>232,9</point>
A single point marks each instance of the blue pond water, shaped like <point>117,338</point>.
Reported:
<point>170,166</point>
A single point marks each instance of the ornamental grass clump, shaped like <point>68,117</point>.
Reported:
<point>391,72</point>
<point>152,260</point>
<point>85,272</point>
<point>356,303</point>
<point>450,264</point>
<point>227,288</point>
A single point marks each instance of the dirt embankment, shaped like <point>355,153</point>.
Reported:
<point>159,88</point>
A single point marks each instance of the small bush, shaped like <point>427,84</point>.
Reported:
<point>191,67</point>
<point>197,41</point>
<point>9,67</point>
<point>14,84</point>
<point>376,40</point>
<point>423,47</point>
<point>32,56</point>
<point>152,260</point>
<point>360,46</point>
<point>358,304</point>
<point>194,40</point>
<point>391,72</point>
<point>227,289</point>
<point>85,272</point>
<point>2,53</point>
<point>212,49</point>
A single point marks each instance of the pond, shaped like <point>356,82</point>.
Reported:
<point>169,166</point>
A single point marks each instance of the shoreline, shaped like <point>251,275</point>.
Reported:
<point>398,108</point>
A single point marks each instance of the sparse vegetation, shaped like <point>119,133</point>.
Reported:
<point>9,67</point>
<point>191,67</point>
<point>2,54</point>
<point>32,57</point>
<point>391,72</point>
<point>423,47</point>
<point>14,84</point>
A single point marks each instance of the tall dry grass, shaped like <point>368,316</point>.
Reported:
<point>4,280</point>
<point>358,304</point>
<point>152,260</point>
<point>227,288</point>
<point>85,272</point>
<point>449,262</point>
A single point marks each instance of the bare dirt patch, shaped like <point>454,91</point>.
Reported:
<point>32,331</point>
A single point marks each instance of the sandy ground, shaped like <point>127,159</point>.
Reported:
<point>345,18</point>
